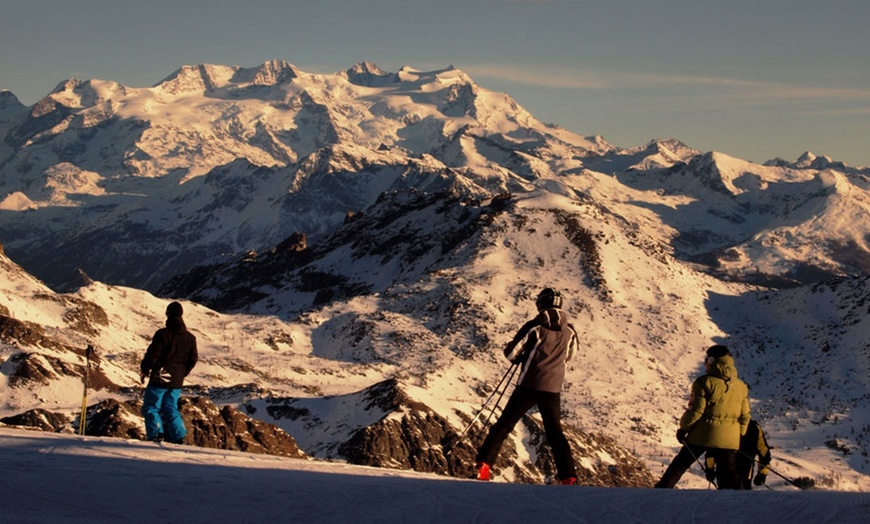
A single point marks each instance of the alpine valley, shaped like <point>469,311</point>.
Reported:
<point>353,251</point>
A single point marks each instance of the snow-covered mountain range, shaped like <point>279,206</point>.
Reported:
<point>371,235</point>
<point>136,185</point>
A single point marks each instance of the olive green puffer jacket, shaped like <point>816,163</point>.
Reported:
<point>718,412</point>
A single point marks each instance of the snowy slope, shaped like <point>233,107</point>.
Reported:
<point>110,480</point>
<point>437,323</point>
<point>464,206</point>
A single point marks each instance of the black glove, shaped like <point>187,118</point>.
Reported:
<point>760,479</point>
<point>508,349</point>
<point>681,435</point>
<point>710,473</point>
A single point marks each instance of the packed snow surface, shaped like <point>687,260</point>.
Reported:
<point>54,478</point>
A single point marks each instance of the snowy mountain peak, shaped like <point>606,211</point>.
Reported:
<point>191,79</point>
<point>273,72</point>
<point>672,147</point>
<point>449,74</point>
<point>806,158</point>
<point>367,67</point>
<point>370,75</point>
<point>8,101</point>
<point>78,94</point>
<point>809,160</point>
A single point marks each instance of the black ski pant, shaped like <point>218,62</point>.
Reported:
<point>549,405</point>
<point>745,468</point>
<point>726,466</point>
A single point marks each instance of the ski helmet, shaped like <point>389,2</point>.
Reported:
<point>548,298</point>
<point>714,352</point>
<point>174,310</point>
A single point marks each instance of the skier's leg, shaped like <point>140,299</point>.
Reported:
<point>681,463</point>
<point>172,421</point>
<point>549,405</point>
<point>726,469</point>
<point>745,469</point>
<point>519,402</point>
<point>151,412</point>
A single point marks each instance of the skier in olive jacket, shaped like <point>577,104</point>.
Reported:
<point>168,360</point>
<point>549,342</point>
<point>717,416</point>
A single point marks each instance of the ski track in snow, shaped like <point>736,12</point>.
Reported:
<point>53,478</point>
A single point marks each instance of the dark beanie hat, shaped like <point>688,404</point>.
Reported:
<point>174,310</point>
<point>717,351</point>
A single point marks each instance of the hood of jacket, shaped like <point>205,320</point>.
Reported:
<point>723,367</point>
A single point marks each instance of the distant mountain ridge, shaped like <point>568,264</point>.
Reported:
<point>218,160</point>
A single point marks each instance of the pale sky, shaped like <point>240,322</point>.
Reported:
<point>755,79</point>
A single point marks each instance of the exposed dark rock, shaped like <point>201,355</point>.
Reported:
<point>208,425</point>
<point>410,435</point>
<point>39,419</point>
<point>19,332</point>
<point>29,368</point>
<point>600,460</point>
<point>113,418</point>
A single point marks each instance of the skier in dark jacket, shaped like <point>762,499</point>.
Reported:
<point>168,360</point>
<point>717,416</point>
<point>752,444</point>
<point>549,342</point>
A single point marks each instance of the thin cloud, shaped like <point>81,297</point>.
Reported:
<point>564,78</point>
<point>536,76</point>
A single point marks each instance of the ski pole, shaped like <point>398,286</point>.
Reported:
<point>83,421</point>
<point>498,401</point>
<point>482,409</point>
<point>790,481</point>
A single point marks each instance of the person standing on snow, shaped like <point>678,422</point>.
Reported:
<point>550,341</point>
<point>751,444</point>
<point>168,360</point>
<point>717,416</point>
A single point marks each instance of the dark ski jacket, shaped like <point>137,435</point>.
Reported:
<point>718,412</point>
<point>550,341</point>
<point>751,444</point>
<point>171,355</point>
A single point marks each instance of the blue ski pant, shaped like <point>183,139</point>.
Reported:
<point>160,409</point>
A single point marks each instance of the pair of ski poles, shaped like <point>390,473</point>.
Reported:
<point>500,389</point>
<point>83,421</point>
<point>783,477</point>
<point>698,460</point>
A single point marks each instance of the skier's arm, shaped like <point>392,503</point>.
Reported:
<point>744,416</point>
<point>697,405</point>
<point>510,350</point>
<point>519,356</point>
<point>152,355</point>
<point>192,358</point>
<point>763,450</point>
<point>573,343</point>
